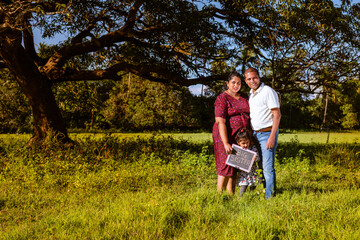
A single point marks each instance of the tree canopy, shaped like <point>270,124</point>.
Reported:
<point>299,45</point>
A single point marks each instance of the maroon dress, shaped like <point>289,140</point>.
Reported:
<point>236,113</point>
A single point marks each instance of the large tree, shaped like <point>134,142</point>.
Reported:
<point>173,42</point>
<point>161,41</point>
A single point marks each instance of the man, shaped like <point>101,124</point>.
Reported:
<point>265,119</point>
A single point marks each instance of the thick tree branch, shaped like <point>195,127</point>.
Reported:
<point>29,44</point>
<point>60,57</point>
<point>129,24</point>
<point>108,40</point>
<point>113,73</point>
<point>87,32</point>
<point>154,73</point>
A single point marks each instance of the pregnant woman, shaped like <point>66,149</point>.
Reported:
<point>231,114</point>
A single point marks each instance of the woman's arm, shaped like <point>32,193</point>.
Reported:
<point>223,133</point>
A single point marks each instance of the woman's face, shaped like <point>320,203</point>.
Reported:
<point>234,84</point>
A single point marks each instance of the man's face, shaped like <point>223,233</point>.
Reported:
<point>252,79</point>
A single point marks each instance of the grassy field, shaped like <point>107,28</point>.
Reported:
<point>164,187</point>
<point>322,137</point>
<point>302,137</point>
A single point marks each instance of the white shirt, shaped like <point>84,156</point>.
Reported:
<point>261,102</point>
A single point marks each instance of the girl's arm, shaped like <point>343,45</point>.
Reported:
<point>254,148</point>
<point>221,122</point>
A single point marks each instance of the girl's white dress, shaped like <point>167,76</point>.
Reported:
<point>251,178</point>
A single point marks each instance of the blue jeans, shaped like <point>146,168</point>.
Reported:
<point>268,160</point>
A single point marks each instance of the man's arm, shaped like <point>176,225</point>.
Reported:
<point>276,122</point>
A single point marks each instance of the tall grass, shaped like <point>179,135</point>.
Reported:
<point>160,187</point>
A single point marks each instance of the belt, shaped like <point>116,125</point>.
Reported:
<point>268,129</point>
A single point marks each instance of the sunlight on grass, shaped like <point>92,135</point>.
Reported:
<point>302,137</point>
<point>162,187</point>
<point>321,137</point>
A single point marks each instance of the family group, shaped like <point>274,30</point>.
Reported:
<point>252,122</point>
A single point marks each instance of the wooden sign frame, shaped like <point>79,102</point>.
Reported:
<point>241,158</point>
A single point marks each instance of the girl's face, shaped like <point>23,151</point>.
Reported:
<point>234,84</point>
<point>244,143</point>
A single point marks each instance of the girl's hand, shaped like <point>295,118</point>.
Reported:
<point>228,148</point>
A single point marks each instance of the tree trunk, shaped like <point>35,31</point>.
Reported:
<point>323,125</point>
<point>37,89</point>
<point>46,113</point>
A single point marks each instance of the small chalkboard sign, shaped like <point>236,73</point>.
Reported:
<point>240,158</point>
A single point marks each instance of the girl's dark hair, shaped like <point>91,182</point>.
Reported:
<point>233,74</point>
<point>244,133</point>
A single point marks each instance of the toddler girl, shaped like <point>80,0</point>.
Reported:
<point>244,139</point>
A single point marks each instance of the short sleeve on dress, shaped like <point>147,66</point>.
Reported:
<point>220,107</point>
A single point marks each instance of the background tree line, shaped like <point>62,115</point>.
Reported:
<point>132,104</point>
<point>136,104</point>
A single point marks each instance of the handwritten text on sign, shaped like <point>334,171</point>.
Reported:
<point>240,158</point>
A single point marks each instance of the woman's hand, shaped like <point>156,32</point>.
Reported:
<point>221,122</point>
<point>228,148</point>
